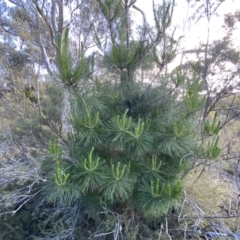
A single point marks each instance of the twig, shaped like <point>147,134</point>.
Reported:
<point>160,232</point>
<point>167,229</point>
<point>117,229</point>
<point>238,175</point>
<point>104,234</point>
<point>15,211</point>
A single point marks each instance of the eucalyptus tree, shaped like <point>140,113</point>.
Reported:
<point>29,31</point>
<point>36,24</point>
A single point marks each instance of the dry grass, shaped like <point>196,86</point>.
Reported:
<point>211,202</point>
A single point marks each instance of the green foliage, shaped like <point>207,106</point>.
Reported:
<point>119,184</point>
<point>60,177</point>
<point>121,157</point>
<point>89,173</point>
<point>213,150</point>
<point>55,148</point>
<point>156,198</point>
<point>110,8</point>
<point>212,128</point>
<point>30,94</point>
<point>60,194</point>
<point>68,73</point>
<point>123,58</point>
<point>192,99</point>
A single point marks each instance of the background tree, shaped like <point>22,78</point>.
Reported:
<point>217,62</point>
<point>217,59</point>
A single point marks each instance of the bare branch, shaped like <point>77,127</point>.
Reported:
<point>46,21</point>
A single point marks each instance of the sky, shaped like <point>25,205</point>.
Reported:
<point>194,32</point>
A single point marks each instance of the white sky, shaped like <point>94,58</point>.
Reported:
<point>195,32</point>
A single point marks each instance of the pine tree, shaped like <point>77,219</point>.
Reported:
<point>131,140</point>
